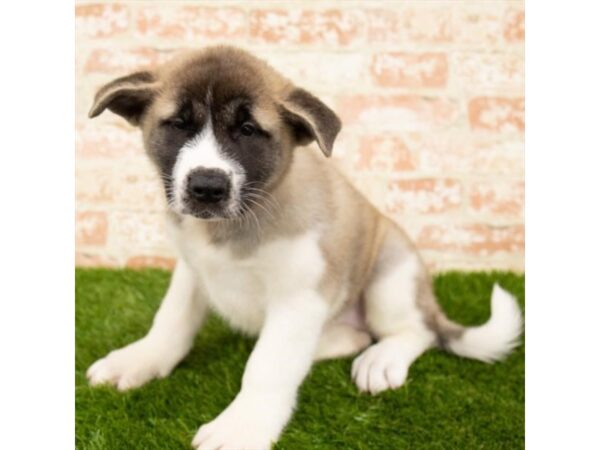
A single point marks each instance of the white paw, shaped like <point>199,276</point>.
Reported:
<point>378,368</point>
<point>243,425</point>
<point>129,367</point>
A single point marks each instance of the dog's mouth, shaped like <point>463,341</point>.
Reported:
<point>208,213</point>
<point>204,215</point>
<point>228,209</point>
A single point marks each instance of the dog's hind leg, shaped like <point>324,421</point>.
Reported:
<point>339,339</point>
<point>393,317</point>
<point>402,312</point>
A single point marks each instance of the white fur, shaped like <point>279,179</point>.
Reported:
<point>167,342</point>
<point>241,288</point>
<point>204,152</point>
<point>493,340</point>
<point>391,299</point>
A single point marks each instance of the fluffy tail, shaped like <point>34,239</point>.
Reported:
<point>494,339</point>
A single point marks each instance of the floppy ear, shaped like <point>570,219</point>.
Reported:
<point>126,96</point>
<point>310,119</point>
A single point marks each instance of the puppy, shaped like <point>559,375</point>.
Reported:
<point>277,242</point>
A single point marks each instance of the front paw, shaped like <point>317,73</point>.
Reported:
<point>129,367</point>
<point>245,425</point>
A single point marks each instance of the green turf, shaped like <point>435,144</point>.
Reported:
<point>446,403</point>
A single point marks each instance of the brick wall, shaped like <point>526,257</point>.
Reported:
<point>431,94</point>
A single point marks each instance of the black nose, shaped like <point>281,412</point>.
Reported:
<point>208,185</point>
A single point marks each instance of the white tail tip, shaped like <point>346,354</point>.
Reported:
<point>497,337</point>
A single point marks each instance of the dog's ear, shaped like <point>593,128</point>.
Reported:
<point>126,96</point>
<point>310,119</point>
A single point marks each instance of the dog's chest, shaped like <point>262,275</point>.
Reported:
<point>241,287</point>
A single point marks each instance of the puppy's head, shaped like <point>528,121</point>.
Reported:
<point>220,125</point>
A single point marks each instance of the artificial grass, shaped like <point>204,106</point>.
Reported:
<point>446,403</point>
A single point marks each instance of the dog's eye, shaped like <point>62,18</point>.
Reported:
<point>247,129</point>
<point>178,123</point>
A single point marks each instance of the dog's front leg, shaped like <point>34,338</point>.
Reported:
<point>279,362</point>
<point>168,341</point>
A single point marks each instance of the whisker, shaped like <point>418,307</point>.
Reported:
<point>267,195</point>
<point>254,202</point>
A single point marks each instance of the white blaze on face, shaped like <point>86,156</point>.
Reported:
<point>204,152</point>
